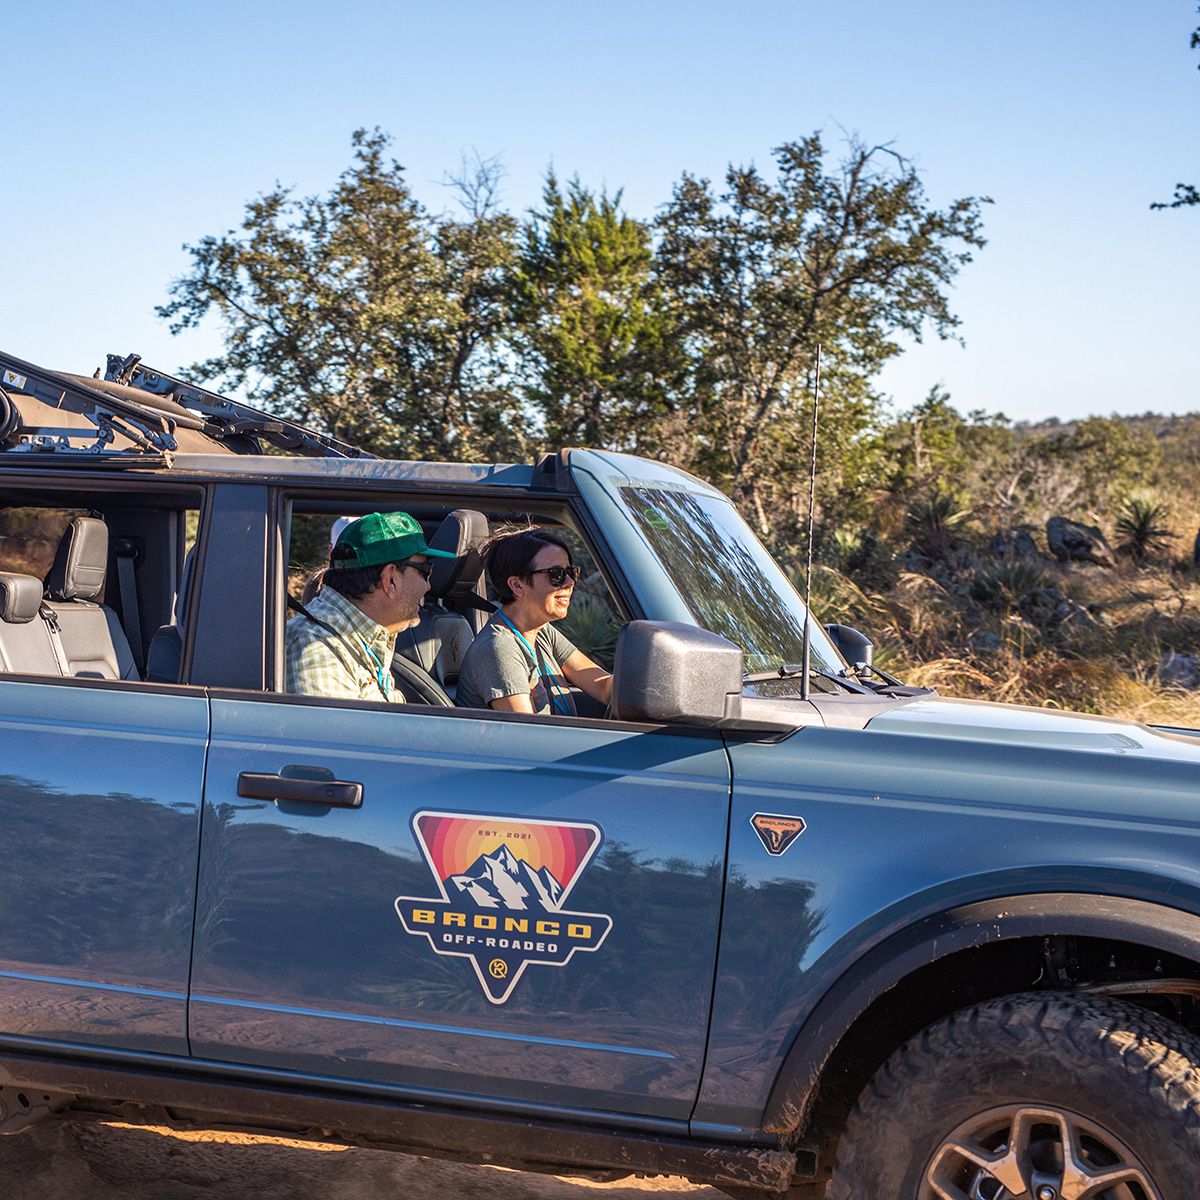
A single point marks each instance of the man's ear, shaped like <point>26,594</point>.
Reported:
<point>516,591</point>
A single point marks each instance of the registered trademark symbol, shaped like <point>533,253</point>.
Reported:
<point>498,968</point>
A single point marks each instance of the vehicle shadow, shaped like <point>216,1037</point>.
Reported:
<point>85,1161</point>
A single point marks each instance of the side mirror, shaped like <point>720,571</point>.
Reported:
<point>667,672</point>
<point>853,646</point>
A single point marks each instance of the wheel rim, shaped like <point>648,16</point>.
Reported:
<point>1019,1152</point>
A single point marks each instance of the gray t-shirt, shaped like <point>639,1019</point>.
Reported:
<point>496,665</point>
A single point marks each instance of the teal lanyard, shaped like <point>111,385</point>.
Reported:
<point>381,676</point>
<point>558,702</point>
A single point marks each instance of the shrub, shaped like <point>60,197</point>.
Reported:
<point>1141,528</point>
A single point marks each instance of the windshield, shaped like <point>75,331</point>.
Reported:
<point>727,580</point>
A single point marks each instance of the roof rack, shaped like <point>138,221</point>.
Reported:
<point>61,419</point>
<point>237,425</point>
<point>134,418</point>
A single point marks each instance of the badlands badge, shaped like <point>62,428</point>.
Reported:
<point>775,832</point>
<point>503,884</point>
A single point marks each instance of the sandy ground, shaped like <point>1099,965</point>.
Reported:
<point>69,1161</point>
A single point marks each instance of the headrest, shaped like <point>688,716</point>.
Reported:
<point>80,562</point>
<point>20,597</point>
<point>461,532</point>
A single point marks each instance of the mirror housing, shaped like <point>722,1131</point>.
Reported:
<point>666,672</point>
<point>853,646</point>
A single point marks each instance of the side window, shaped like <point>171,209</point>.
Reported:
<point>447,625</point>
<point>96,614</point>
<point>30,536</point>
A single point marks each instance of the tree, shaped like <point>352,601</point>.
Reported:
<point>1186,194</point>
<point>761,273</point>
<point>593,338</point>
<point>361,311</point>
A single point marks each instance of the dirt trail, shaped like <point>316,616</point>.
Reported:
<point>70,1161</point>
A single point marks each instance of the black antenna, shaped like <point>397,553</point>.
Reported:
<point>812,497</point>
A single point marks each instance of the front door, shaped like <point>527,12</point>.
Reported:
<point>520,908</point>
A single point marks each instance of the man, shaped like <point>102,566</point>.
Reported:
<point>341,646</point>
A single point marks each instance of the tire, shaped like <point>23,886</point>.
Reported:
<point>1013,1080</point>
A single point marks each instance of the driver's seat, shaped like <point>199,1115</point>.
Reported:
<point>438,642</point>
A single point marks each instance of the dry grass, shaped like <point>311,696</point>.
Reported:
<point>1104,658</point>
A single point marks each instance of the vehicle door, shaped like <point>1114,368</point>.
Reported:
<point>100,785</point>
<point>520,908</point>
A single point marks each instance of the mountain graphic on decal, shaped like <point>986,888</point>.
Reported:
<point>502,880</point>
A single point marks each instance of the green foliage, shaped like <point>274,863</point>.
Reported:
<point>767,269</point>
<point>931,521</point>
<point>362,312</point>
<point>1142,528</point>
<point>1002,585</point>
<point>593,335</point>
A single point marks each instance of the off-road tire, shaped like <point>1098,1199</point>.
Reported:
<point>1130,1072</point>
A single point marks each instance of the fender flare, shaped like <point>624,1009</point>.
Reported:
<point>1156,926</point>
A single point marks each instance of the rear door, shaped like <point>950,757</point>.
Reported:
<point>521,909</point>
<point>99,824</point>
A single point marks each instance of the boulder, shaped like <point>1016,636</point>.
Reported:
<point>1180,670</point>
<point>1071,541</point>
<point>984,641</point>
<point>1013,543</point>
<point>1048,608</point>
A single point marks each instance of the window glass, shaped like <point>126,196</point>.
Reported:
<point>728,581</point>
<point>30,536</point>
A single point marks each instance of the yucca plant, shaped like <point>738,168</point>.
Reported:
<point>931,520</point>
<point>1141,528</point>
<point>1002,585</point>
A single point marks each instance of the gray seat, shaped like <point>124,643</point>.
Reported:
<point>94,642</point>
<point>27,645</point>
<point>439,641</point>
<point>164,658</point>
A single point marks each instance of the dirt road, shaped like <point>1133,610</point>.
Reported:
<point>70,1161</point>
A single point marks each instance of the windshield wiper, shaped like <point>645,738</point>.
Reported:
<point>792,670</point>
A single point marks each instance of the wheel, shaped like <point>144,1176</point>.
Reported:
<point>1031,1097</point>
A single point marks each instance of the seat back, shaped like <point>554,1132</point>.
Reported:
<point>165,655</point>
<point>26,639</point>
<point>438,642</point>
<point>92,637</point>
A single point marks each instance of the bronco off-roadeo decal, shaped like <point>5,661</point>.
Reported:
<point>504,883</point>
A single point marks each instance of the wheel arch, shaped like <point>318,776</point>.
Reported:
<point>861,993</point>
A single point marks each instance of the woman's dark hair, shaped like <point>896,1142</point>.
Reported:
<point>512,553</point>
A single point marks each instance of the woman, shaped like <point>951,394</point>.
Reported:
<point>519,662</point>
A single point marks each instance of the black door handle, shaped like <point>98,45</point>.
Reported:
<point>306,785</point>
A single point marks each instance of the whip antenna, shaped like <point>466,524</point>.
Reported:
<point>808,541</point>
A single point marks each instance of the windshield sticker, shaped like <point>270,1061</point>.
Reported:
<point>503,885</point>
<point>775,832</point>
<point>12,379</point>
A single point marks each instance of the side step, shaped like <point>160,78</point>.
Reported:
<point>519,1142</point>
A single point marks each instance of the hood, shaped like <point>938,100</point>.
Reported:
<point>1015,725</point>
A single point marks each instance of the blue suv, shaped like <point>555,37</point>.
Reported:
<point>784,931</point>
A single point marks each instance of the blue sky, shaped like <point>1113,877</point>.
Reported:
<point>128,129</point>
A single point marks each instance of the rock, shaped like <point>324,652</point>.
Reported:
<point>1048,608</point>
<point>984,641</point>
<point>1013,543</point>
<point>1180,670</point>
<point>1071,541</point>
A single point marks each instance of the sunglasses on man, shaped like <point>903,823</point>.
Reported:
<point>424,569</point>
<point>559,575</point>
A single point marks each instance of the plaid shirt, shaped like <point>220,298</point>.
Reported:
<point>320,664</point>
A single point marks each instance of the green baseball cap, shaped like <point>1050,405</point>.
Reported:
<point>380,538</point>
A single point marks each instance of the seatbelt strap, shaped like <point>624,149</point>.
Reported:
<point>131,616</point>
<point>55,630</point>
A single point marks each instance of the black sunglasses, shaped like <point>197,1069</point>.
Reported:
<point>559,575</point>
<point>424,569</point>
